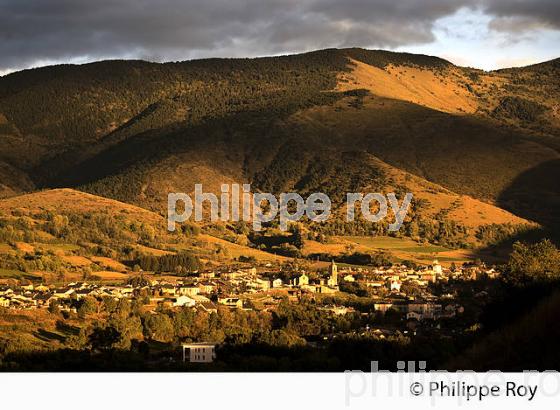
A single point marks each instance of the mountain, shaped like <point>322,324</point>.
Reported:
<point>482,146</point>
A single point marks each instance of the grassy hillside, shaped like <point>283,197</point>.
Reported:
<point>64,234</point>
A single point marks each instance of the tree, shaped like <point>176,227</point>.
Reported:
<point>297,236</point>
<point>53,307</point>
<point>159,327</point>
<point>86,273</point>
<point>411,290</point>
<point>129,328</point>
<point>103,338</point>
<point>533,263</point>
<point>87,306</point>
<point>110,304</point>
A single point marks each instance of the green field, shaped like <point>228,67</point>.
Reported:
<point>443,258</point>
<point>16,274</point>
<point>397,244</point>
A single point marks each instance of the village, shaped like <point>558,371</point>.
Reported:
<point>397,288</point>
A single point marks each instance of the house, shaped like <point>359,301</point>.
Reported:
<point>492,273</point>
<point>450,310</point>
<point>43,299</point>
<point>199,352</point>
<point>382,306</point>
<point>374,283</point>
<point>209,307</point>
<point>395,285</point>
<point>168,290</point>
<point>199,298</point>
<point>427,310</point>
<point>349,278</point>
<point>277,283</point>
<point>184,301</point>
<point>64,293</point>
<point>326,289</point>
<point>231,302</point>
<point>101,292</point>
<point>127,290</point>
<point>231,275</point>
<point>310,288</point>
<point>188,290</point>
<point>259,284</point>
<point>82,293</point>
<point>4,291</point>
<point>41,288</point>
<point>414,315</point>
<point>206,287</point>
<point>4,302</point>
<point>24,302</point>
<point>293,295</point>
<point>301,280</point>
<point>428,277</point>
<point>208,275</point>
<point>262,284</point>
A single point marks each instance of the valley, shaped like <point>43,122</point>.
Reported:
<point>89,154</point>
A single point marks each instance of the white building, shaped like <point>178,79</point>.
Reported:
<point>199,352</point>
<point>184,301</point>
<point>262,284</point>
<point>301,280</point>
<point>188,290</point>
<point>395,285</point>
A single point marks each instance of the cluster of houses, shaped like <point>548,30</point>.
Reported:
<point>42,296</point>
<point>386,284</point>
<point>393,278</point>
<point>247,289</point>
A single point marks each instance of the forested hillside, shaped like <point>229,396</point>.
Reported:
<point>134,131</point>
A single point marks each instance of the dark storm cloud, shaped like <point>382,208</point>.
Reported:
<point>523,15</point>
<point>37,31</point>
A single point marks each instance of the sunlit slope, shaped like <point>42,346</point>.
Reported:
<point>443,90</point>
<point>100,226</point>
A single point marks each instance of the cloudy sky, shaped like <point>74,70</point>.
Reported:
<point>480,33</point>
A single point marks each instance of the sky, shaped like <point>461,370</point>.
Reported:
<point>486,34</point>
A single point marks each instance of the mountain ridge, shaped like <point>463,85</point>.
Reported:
<point>553,61</point>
